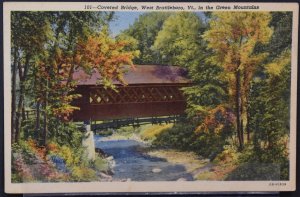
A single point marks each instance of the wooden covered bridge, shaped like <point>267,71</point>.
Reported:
<point>152,91</point>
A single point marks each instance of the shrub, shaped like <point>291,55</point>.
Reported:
<point>20,170</point>
<point>30,164</point>
<point>53,147</point>
<point>70,157</point>
<point>53,163</point>
<point>100,165</point>
<point>229,154</point>
<point>82,173</point>
<point>255,171</point>
<point>180,136</point>
<point>274,157</point>
<point>65,133</point>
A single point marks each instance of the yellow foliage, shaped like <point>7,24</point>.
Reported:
<point>80,173</point>
<point>68,155</point>
<point>275,67</point>
<point>154,130</point>
<point>234,35</point>
<point>229,155</point>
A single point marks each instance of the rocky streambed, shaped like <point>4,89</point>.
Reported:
<point>130,163</point>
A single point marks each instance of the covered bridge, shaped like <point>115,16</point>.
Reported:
<point>152,91</point>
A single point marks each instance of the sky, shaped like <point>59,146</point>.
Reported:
<point>123,20</point>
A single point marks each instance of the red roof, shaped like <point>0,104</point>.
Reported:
<point>140,74</point>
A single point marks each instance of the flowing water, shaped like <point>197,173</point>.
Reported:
<point>131,163</point>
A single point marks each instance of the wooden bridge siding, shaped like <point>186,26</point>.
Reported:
<point>105,111</point>
<point>136,110</point>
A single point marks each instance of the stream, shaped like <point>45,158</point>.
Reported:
<point>132,164</point>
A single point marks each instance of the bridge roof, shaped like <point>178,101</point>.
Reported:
<point>140,74</point>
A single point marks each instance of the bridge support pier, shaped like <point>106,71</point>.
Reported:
<point>88,142</point>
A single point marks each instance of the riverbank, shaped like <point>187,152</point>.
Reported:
<point>55,163</point>
<point>133,163</point>
<point>200,168</point>
<point>195,165</point>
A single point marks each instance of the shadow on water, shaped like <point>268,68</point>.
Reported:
<point>132,164</point>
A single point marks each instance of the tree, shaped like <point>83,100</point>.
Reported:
<point>209,87</point>
<point>47,48</point>
<point>106,55</point>
<point>178,41</point>
<point>30,31</point>
<point>144,31</point>
<point>269,98</point>
<point>233,37</point>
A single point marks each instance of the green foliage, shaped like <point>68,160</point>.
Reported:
<point>269,103</point>
<point>83,174</point>
<point>229,154</point>
<point>213,134</point>
<point>180,136</point>
<point>281,39</point>
<point>206,140</point>
<point>48,46</point>
<point>71,157</point>
<point>255,172</point>
<point>143,34</point>
<point>208,92</point>
<point>254,164</point>
<point>31,163</point>
<point>100,165</point>
<point>65,133</point>
<point>23,148</point>
<point>178,41</point>
<point>269,109</point>
<point>30,31</point>
<point>152,131</point>
<point>233,38</point>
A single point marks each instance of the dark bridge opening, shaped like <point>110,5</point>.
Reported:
<point>152,91</point>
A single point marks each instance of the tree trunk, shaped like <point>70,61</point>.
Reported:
<point>13,96</point>
<point>247,86</point>
<point>37,123</point>
<point>22,76</point>
<point>19,113</point>
<point>20,103</point>
<point>238,107</point>
<point>241,115</point>
<point>45,129</point>
<point>23,111</point>
<point>242,130</point>
<point>248,126</point>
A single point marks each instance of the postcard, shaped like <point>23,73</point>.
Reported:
<point>150,97</point>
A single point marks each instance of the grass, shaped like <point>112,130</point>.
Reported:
<point>205,176</point>
<point>224,164</point>
<point>143,133</point>
<point>150,132</point>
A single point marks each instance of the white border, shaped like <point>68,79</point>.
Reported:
<point>195,186</point>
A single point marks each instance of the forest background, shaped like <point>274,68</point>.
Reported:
<point>238,108</point>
